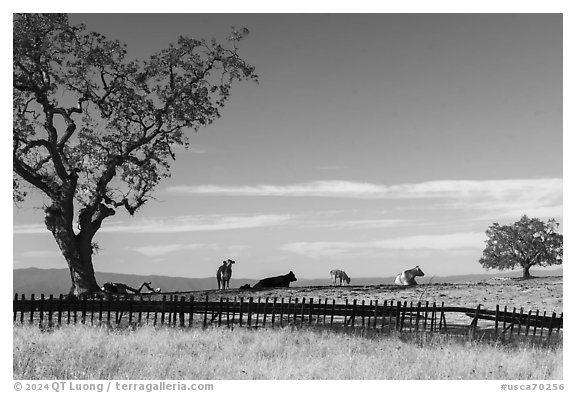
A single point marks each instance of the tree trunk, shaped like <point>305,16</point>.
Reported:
<point>526,271</point>
<point>76,250</point>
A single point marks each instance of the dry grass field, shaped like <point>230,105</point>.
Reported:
<point>86,352</point>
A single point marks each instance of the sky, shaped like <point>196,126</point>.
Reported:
<point>372,143</point>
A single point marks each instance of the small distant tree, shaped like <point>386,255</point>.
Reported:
<point>95,133</point>
<point>526,243</point>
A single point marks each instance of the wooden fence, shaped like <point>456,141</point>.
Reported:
<point>240,311</point>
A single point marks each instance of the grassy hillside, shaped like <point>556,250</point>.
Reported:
<point>56,281</point>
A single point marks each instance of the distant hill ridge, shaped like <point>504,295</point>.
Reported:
<point>56,281</point>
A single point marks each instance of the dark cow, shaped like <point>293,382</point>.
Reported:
<point>278,281</point>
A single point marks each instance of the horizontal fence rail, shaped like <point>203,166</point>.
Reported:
<point>271,312</point>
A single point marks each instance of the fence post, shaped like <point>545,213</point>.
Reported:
<point>241,311</point>
<point>182,313</point>
<point>504,319</point>
<point>426,315</point>
<point>332,313</point>
<point>520,320</point>
<point>265,312</point>
<point>274,310</point>
<point>302,311</point>
<point>227,312</point>
<point>32,309</point>
<point>41,309</point>
<point>363,317</point>
<point>14,306</point>
<point>191,317</point>
<point>250,302</point>
<point>418,316</point>
<point>325,311</point>
<point>433,323</point>
<point>22,309</point>
<point>496,320</point>
<point>258,311</point>
<point>403,315</point>
<point>512,325</point>
<point>475,321</point>
<point>384,314</point>
<point>551,324</point>
<point>528,322</point>
<point>205,311</point>
<point>561,323</point>
<point>220,312</point>
<point>295,310</point>
<point>311,305</point>
<point>130,309</point>
<point>60,299</point>
<point>535,323</point>
<point>398,313</point>
<point>281,312</point>
<point>50,305</point>
<point>542,324</point>
<point>443,318</point>
<point>353,318</point>
<point>375,313</point>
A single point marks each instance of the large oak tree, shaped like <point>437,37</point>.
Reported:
<point>526,243</point>
<point>95,132</point>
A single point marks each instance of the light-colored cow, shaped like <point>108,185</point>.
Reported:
<point>408,277</point>
<point>339,274</point>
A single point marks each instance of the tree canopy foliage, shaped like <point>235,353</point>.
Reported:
<point>95,132</point>
<point>526,243</point>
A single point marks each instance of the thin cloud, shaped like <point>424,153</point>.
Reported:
<point>163,249</point>
<point>178,224</point>
<point>455,189</point>
<point>431,242</point>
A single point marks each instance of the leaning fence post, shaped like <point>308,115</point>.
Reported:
<point>542,324</point>
<point>536,320</point>
<point>443,318</point>
<point>551,324</point>
<point>528,322</point>
<point>475,321</point>
<point>353,318</point>
<point>512,325</point>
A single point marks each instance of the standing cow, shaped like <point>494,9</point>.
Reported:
<point>224,273</point>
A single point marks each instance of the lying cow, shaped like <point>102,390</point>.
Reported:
<point>273,282</point>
